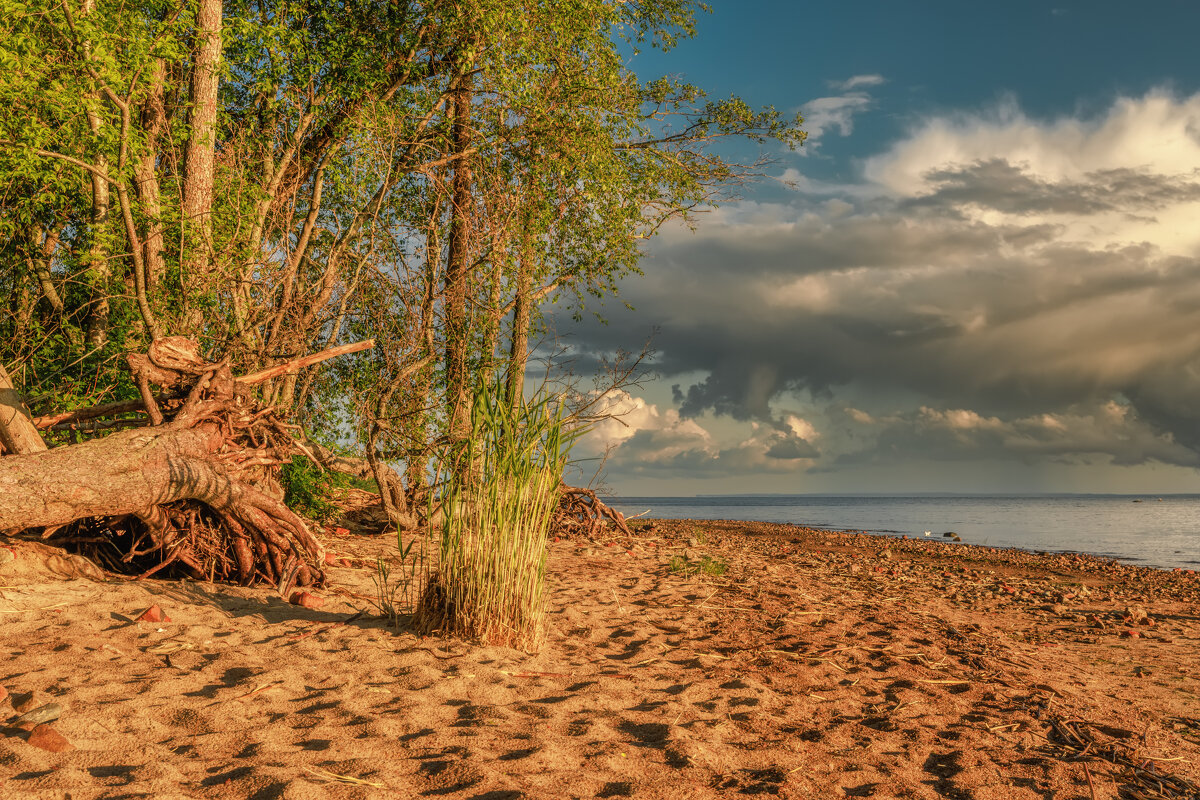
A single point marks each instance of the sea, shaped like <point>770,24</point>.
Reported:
<point>1149,530</point>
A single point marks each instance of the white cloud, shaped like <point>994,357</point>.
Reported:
<point>641,439</point>
<point>823,115</point>
<point>627,415</point>
<point>856,82</point>
<point>1110,431</point>
<point>1153,136</point>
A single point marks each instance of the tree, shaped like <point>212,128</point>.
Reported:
<point>275,177</point>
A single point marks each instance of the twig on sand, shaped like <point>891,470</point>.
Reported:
<point>617,600</point>
<point>258,690</point>
<point>536,674</point>
<point>333,776</point>
<point>1091,788</point>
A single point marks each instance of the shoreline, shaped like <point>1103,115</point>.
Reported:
<point>814,664</point>
<point>1162,535</point>
<point>933,539</point>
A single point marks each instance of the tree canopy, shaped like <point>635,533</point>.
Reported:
<point>274,177</point>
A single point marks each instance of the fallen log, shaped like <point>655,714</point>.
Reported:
<point>195,489</point>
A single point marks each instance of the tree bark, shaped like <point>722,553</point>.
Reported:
<point>136,472</point>
<point>18,434</point>
<point>455,286</point>
<point>200,158</point>
<point>518,353</point>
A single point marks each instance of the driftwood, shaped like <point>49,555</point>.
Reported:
<point>581,512</point>
<point>195,488</point>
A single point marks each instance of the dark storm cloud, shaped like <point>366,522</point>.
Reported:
<point>1003,319</point>
<point>995,288</point>
<point>1111,430</point>
<point>1012,189</point>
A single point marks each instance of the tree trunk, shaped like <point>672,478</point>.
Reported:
<point>136,472</point>
<point>457,409</point>
<point>518,353</point>
<point>154,120</point>
<point>99,270</point>
<point>200,158</point>
<point>209,444</point>
<point>18,434</point>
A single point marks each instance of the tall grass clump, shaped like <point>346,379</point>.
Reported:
<point>500,490</point>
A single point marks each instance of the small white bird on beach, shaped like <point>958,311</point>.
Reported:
<point>929,533</point>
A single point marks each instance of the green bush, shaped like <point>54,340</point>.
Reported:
<point>309,490</point>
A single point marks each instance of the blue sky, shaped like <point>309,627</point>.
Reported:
<point>979,274</point>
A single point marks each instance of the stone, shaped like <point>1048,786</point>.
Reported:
<point>1136,614</point>
<point>27,701</point>
<point>306,600</point>
<point>45,737</point>
<point>39,715</point>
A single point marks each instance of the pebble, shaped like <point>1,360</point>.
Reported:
<point>27,701</point>
<point>39,715</point>
<point>45,737</point>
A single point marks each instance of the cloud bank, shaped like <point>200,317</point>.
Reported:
<point>994,286</point>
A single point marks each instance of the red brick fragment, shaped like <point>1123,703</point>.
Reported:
<point>153,614</point>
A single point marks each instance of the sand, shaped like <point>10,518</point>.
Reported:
<point>817,665</point>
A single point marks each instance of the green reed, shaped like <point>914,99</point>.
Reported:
<point>501,488</point>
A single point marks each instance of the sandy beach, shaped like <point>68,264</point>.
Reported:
<point>815,664</point>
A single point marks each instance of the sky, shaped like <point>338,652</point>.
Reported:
<point>981,273</point>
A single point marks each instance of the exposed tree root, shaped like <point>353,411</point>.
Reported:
<point>580,512</point>
<point>195,492</point>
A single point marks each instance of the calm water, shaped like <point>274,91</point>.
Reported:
<point>1154,532</point>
